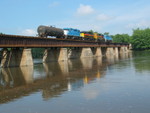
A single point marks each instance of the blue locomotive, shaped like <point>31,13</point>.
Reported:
<point>70,33</point>
<point>107,38</point>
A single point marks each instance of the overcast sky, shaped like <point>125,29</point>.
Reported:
<point>22,17</point>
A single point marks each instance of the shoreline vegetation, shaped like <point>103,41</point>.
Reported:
<point>140,39</point>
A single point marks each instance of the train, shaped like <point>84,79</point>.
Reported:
<point>71,33</point>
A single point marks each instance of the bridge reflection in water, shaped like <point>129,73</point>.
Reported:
<point>52,79</point>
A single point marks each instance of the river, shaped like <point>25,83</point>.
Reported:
<point>90,85</point>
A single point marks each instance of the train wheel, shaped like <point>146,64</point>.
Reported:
<point>65,37</point>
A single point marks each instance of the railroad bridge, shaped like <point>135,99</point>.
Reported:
<point>20,53</point>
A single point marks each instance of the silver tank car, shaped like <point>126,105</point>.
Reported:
<point>44,31</point>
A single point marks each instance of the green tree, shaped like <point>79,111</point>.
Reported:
<point>121,38</point>
<point>91,31</point>
<point>37,52</point>
<point>106,33</point>
<point>141,39</point>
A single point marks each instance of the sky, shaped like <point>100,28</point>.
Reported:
<point>22,17</point>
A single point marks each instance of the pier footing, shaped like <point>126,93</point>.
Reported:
<point>16,57</point>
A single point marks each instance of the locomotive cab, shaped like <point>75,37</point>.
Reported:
<point>71,33</point>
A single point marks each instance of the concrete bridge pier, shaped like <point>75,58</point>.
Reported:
<point>63,54</point>
<point>116,50</point>
<point>16,57</point>
<point>98,52</point>
<point>103,50</point>
<point>109,51</point>
<point>55,54</point>
<point>122,50</point>
<point>86,52</point>
<point>74,52</point>
<point>125,49</point>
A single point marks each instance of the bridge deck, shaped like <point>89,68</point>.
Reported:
<point>30,41</point>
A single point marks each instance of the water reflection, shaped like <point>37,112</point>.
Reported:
<point>51,79</point>
<point>12,77</point>
<point>141,61</point>
<point>64,67</point>
<point>87,63</point>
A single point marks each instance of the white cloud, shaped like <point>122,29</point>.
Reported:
<point>29,32</point>
<point>113,21</point>
<point>54,4</point>
<point>84,10</point>
<point>103,17</point>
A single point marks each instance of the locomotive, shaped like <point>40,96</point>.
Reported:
<point>91,36</point>
<point>70,33</point>
<point>107,38</point>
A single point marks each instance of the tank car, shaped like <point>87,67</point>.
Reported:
<point>44,31</point>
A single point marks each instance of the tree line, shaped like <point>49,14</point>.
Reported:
<point>140,39</point>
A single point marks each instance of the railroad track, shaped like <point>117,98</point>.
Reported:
<point>39,42</point>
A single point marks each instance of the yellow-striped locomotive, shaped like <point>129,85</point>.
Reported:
<point>91,36</point>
